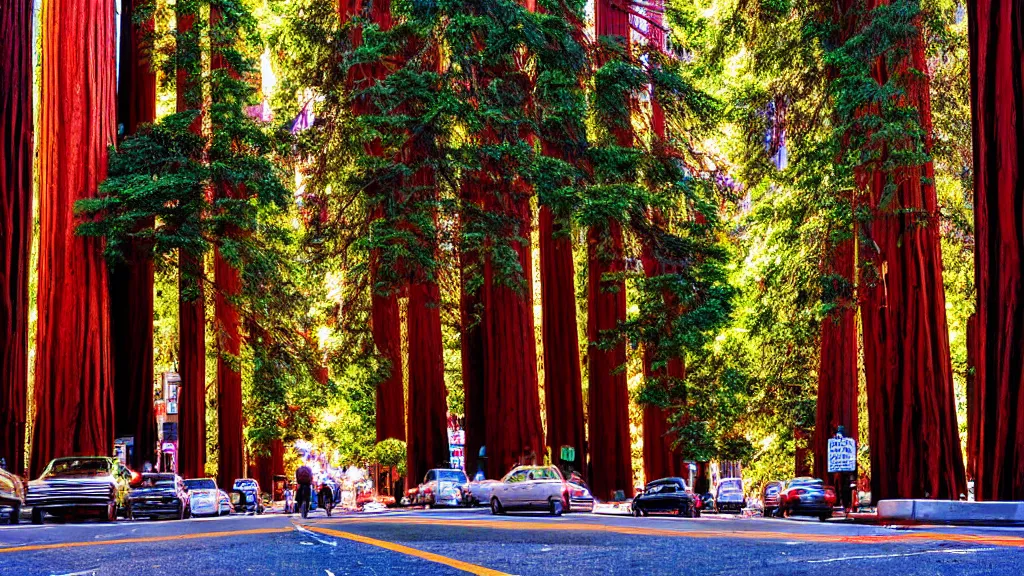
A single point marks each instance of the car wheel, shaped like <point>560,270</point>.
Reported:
<point>37,516</point>
<point>15,515</point>
<point>824,517</point>
<point>496,508</point>
<point>637,513</point>
<point>555,507</point>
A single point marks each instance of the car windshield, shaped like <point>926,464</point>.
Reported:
<point>78,467</point>
<point>201,484</point>
<point>812,484</point>
<point>542,474</point>
<point>245,484</point>
<point>730,486</point>
<point>157,481</point>
<point>452,476</point>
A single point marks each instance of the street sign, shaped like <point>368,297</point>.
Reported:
<point>842,455</point>
<point>568,453</point>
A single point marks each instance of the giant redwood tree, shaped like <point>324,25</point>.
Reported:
<point>229,196</point>
<point>131,281</point>
<point>608,403</point>
<point>74,382</point>
<point>384,317</point>
<point>915,446</point>
<point>191,306</point>
<point>15,225</point>
<point>559,96</point>
<point>837,367</point>
<point>997,106</point>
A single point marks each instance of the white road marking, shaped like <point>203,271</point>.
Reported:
<point>315,536</point>
<point>305,543</point>
<point>329,573</point>
<point>90,571</point>
<point>954,551</point>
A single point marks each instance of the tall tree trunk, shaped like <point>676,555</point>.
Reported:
<point>15,225</point>
<point>608,420</point>
<point>563,385</point>
<point>915,445</point>
<point>191,305</point>
<point>428,422</point>
<point>837,368</point>
<point>973,402</point>
<point>661,460</point>
<point>384,314</point>
<point>514,433</point>
<point>231,437</point>
<point>74,385</point>
<point>996,31</point>
<point>472,347</point>
<point>131,283</point>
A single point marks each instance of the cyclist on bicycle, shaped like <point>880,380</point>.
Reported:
<point>304,478</point>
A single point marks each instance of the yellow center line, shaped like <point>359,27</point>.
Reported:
<point>223,534</point>
<point>458,564</point>
<point>909,537</point>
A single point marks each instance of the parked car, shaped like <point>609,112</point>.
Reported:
<point>770,497</point>
<point>729,495</point>
<point>479,491</point>
<point>807,496</point>
<point>539,488</point>
<point>667,495</point>
<point>442,487</point>
<point>159,495</point>
<point>205,498</point>
<point>224,507</point>
<point>249,491</point>
<point>12,497</point>
<point>70,486</point>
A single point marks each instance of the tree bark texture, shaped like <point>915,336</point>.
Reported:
<point>837,368</point>
<point>472,350</point>
<point>15,225</point>
<point>385,318</point>
<point>514,434</point>
<point>611,467</point>
<point>131,282</point>
<point>428,415</point>
<point>231,436</point>
<point>563,384</point>
<point>74,381</point>
<point>191,311</point>
<point>997,104</point>
<point>915,445</point>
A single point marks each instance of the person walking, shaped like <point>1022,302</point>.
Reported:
<point>289,497</point>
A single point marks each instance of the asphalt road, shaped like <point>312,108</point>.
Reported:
<point>442,542</point>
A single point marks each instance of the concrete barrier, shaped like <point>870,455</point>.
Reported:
<point>950,512</point>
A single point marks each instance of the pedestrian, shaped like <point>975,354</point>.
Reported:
<point>288,499</point>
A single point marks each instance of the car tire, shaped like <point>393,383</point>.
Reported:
<point>496,508</point>
<point>637,513</point>
<point>555,507</point>
<point>824,517</point>
<point>15,516</point>
<point>38,516</point>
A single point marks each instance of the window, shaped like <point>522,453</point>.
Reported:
<point>668,489</point>
<point>430,477</point>
<point>457,476</point>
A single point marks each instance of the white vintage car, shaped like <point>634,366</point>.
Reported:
<point>539,488</point>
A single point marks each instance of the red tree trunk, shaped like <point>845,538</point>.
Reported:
<point>15,225</point>
<point>74,385</point>
<point>191,310</point>
<point>661,460</point>
<point>514,433</point>
<point>608,421</point>
<point>837,368</point>
<point>231,437</point>
<point>385,319</point>
<point>915,445</point>
<point>563,385</point>
<point>472,348</point>
<point>428,423</point>
<point>997,104</point>
<point>973,401</point>
<point>131,283</point>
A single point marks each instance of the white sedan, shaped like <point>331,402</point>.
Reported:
<point>539,488</point>
<point>205,499</point>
